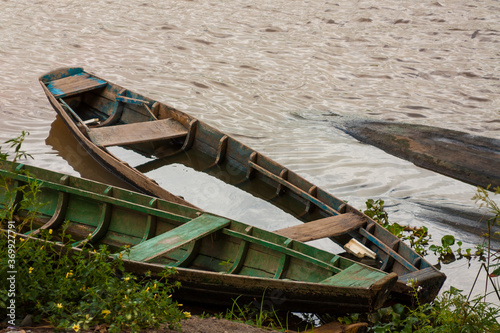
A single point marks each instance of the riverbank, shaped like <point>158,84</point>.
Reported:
<point>191,325</point>
<point>210,325</point>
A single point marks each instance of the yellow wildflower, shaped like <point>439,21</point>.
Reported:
<point>105,312</point>
<point>70,273</point>
<point>126,279</point>
<point>125,296</point>
<point>187,314</point>
<point>31,270</point>
<point>59,305</point>
<point>179,304</point>
<point>76,327</point>
<point>154,287</point>
<point>50,231</point>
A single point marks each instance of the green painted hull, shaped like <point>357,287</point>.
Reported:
<point>167,137</point>
<point>219,258</point>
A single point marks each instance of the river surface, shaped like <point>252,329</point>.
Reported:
<point>277,75</point>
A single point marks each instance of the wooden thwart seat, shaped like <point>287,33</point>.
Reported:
<point>175,238</point>
<point>137,132</point>
<point>74,84</point>
<point>328,227</point>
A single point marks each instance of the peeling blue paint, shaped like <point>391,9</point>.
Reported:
<point>58,90</point>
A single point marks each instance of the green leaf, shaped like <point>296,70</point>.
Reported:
<point>447,240</point>
<point>395,229</point>
<point>398,308</point>
<point>495,273</point>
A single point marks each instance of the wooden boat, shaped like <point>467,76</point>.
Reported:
<point>218,258</point>
<point>138,138</point>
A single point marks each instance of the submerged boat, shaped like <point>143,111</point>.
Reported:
<point>216,257</point>
<point>167,153</point>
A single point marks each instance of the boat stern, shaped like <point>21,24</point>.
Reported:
<point>59,74</point>
<point>381,289</point>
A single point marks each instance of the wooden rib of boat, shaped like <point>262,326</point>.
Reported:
<point>218,258</point>
<point>138,138</point>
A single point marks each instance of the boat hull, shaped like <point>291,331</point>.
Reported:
<point>221,259</point>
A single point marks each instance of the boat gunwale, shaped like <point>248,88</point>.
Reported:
<point>293,247</point>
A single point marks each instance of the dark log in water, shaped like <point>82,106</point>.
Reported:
<point>469,158</point>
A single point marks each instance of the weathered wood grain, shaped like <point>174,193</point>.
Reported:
<point>137,132</point>
<point>76,84</point>
<point>328,227</point>
<point>190,231</point>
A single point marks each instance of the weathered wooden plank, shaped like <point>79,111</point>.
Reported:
<point>60,73</point>
<point>75,84</point>
<point>282,249</point>
<point>137,133</point>
<point>328,227</point>
<point>355,276</point>
<point>175,238</point>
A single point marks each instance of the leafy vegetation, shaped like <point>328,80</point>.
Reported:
<point>452,311</point>
<point>78,291</point>
<point>417,237</point>
<point>483,197</point>
<point>16,144</point>
<point>72,290</point>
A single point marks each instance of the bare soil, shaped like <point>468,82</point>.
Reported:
<point>191,325</point>
<point>213,325</point>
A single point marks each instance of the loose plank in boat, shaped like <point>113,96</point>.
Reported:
<point>187,232</point>
<point>137,132</point>
<point>323,228</point>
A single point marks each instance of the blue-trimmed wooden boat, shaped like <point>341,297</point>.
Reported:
<point>137,138</point>
<point>218,259</point>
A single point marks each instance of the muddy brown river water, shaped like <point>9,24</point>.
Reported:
<point>277,75</point>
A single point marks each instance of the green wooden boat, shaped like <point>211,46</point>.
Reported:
<point>166,153</point>
<point>217,258</point>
